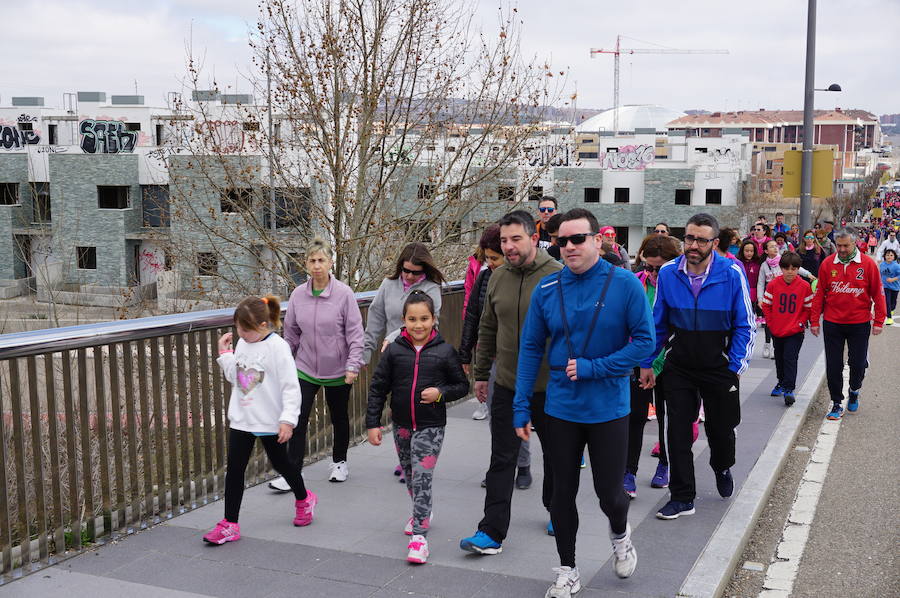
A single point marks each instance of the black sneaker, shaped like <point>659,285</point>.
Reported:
<point>523,478</point>
<point>789,398</point>
<point>724,483</point>
<point>675,509</point>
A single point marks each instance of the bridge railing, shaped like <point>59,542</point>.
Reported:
<point>109,428</point>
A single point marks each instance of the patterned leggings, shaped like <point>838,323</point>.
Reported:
<point>418,451</point>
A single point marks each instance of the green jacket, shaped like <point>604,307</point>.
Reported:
<point>505,307</point>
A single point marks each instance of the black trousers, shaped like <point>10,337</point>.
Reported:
<point>606,444</point>
<point>856,337</point>
<point>640,401</point>
<point>720,391</point>
<point>337,398</point>
<point>787,350</point>
<point>240,447</point>
<point>501,475</point>
<point>890,296</point>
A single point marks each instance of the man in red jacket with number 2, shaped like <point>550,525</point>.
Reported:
<point>849,285</point>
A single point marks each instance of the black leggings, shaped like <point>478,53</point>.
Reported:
<point>337,398</point>
<point>759,312</point>
<point>240,447</point>
<point>607,446</point>
<point>640,401</point>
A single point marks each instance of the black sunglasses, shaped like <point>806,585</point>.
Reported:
<point>661,231</point>
<point>413,272</point>
<point>575,239</point>
<point>546,209</point>
<point>649,268</point>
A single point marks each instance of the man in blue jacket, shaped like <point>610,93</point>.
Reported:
<point>599,325</point>
<point>705,319</point>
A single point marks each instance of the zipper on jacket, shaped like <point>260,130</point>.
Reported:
<point>519,312</point>
<point>315,331</point>
<point>412,392</point>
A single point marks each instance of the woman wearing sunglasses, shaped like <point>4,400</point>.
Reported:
<point>609,236</point>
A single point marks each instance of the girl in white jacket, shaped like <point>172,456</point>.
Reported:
<point>264,404</point>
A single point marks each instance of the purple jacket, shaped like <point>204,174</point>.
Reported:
<point>325,333</point>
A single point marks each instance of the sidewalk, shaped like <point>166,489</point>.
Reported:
<point>355,546</point>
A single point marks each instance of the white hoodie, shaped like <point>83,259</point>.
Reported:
<point>265,390</point>
<point>886,244</point>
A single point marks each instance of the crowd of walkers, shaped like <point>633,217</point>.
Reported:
<point>565,337</point>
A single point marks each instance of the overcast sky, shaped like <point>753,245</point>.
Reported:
<point>57,46</point>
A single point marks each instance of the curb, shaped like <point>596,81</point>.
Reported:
<point>713,568</point>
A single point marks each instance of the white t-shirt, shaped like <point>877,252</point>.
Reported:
<point>265,390</point>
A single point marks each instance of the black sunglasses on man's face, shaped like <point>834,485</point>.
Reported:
<point>575,239</point>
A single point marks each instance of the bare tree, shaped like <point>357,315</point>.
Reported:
<point>390,121</point>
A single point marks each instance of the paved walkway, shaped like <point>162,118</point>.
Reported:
<point>355,546</point>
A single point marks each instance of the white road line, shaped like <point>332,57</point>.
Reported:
<point>785,564</point>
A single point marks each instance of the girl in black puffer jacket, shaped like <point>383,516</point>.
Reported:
<point>421,372</point>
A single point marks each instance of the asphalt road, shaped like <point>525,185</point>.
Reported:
<point>855,538</point>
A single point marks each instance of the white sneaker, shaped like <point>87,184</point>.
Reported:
<point>624,553</point>
<point>339,472</point>
<point>480,412</point>
<point>568,582</point>
<point>408,530</point>
<point>767,351</point>
<point>418,550</point>
<point>280,485</point>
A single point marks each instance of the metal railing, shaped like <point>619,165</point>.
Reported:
<point>109,428</point>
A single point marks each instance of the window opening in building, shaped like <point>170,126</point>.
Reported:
<point>160,131</point>
<point>132,126</point>
<point>207,264</point>
<point>682,197</point>
<point>155,205</point>
<point>293,207</point>
<point>52,135</point>
<point>251,125</point>
<point>592,195</point>
<point>26,127</point>
<point>506,193</point>
<point>40,192</point>
<point>426,191</point>
<point>622,195</point>
<point>535,193</point>
<point>112,197</point>
<point>714,196</point>
<point>9,194</point>
<point>236,199</point>
<point>87,258</point>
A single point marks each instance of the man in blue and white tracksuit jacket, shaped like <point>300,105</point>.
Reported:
<point>705,320</point>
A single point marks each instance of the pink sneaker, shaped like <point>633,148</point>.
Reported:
<point>225,531</point>
<point>305,509</point>
<point>695,432</point>
<point>418,550</point>
<point>408,530</point>
<point>654,452</point>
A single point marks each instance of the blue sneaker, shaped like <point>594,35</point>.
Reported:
<point>836,412</point>
<point>480,543</point>
<point>583,464</point>
<point>675,509</point>
<point>777,391</point>
<point>630,487</point>
<point>853,401</point>
<point>789,398</point>
<point>661,478</point>
<point>724,483</point>
<point>550,531</point>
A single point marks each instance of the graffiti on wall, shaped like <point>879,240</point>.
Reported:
<point>226,136</point>
<point>628,157</point>
<point>12,138</point>
<point>549,155</point>
<point>106,137</point>
<point>26,118</point>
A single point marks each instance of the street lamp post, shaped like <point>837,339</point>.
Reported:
<point>809,131</point>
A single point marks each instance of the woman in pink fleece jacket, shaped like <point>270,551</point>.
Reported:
<point>323,326</point>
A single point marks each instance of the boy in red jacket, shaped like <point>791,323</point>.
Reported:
<point>786,305</point>
<point>849,285</point>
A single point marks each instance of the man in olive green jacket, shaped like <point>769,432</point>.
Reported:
<point>505,307</point>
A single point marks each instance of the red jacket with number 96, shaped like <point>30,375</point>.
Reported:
<point>786,306</point>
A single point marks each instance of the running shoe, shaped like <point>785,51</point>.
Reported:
<point>398,471</point>
<point>418,550</point>
<point>651,412</point>
<point>583,463</point>
<point>889,321</point>
<point>408,530</point>
<point>480,412</point>
<point>480,543</point>
<point>280,485</point>
<point>624,553</point>
<point>550,530</point>
<point>654,452</point>
<point>777,391</point>
<point>789,398</point>
<point>661,477</point>
<point>568,582</point>
<point>630,486</point>
<point>853,401</point>
<point>675,509</point>
<point>724,483</point>
<point>767,351</point>
<point>305,508</point>
<point>225,531</point>
<point>484,483</point>
<point>339,472</point>
<point>836,412</point>
<point>523,478</point>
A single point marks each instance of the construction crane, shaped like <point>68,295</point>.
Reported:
<point>618,51</point>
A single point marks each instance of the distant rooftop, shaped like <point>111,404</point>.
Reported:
<point>631,118</point>
<point>765,118</point>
